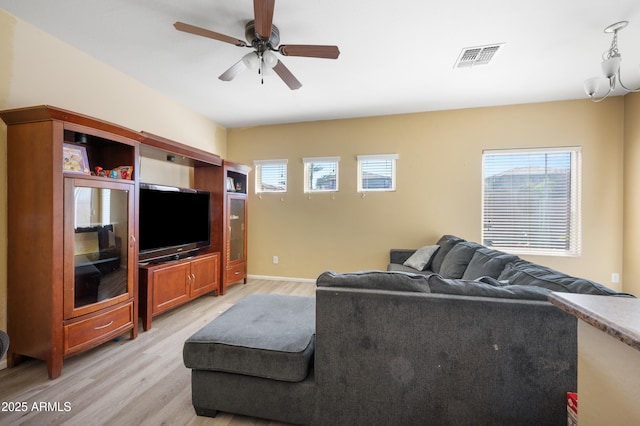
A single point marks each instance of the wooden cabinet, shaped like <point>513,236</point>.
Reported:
<point>205,275</point>
<point>73,195</point>
<point>72,256</point>
<point>234,254</point>
<point>167,285</point>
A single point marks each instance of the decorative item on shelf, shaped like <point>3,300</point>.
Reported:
<point>74,159</point>
<point>120,172</point>
<point>125,172</point>
<point>231,187</point>
<point>99,171</point>
<point>239,186</point>
<point>611,60</point>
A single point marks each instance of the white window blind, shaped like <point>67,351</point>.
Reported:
<point>531,201</point>
<point>271,175</point>
<point>321,174</point>
<point>377,172</point>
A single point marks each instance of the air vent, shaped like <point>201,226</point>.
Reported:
<point>472,56</point>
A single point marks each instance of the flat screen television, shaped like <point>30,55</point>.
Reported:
<point>172,221</point>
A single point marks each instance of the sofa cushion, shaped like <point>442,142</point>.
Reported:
<point>442,285</point>
<point>375,280</point>
<point>421,259</point>
<point>457,260</point>
<point>487,263</point>
<point>446,243</point>
<point>263,335</point>
<point>398,267</point>
<point>530,274</point>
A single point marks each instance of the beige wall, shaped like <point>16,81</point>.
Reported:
<point>38,69</point>
<point>608,377</point>
<point>631,249</point>
<point>439,184</point>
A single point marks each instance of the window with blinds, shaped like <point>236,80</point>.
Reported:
<point>271,175</point>
<point>377,172</point>
<point>531,201</point>
<point>321,174</point>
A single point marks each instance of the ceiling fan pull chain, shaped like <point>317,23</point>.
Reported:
<point>260,68</point>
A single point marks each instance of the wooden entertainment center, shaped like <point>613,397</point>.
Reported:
<point>73,276</point>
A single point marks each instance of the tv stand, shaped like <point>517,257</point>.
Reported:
<point>167,285</point>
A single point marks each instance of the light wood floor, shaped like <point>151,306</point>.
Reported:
<point>130,382</point>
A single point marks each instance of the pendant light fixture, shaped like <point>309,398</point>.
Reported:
<point>611,60</point>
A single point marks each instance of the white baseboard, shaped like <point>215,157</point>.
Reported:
<point>272,278</point>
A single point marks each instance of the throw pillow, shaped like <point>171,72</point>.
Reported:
<point>421,259</point>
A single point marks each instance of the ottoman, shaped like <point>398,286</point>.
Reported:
<point>256,359</point>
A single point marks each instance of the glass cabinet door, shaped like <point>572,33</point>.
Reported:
<point>99,239</point>
<point>236,228</point>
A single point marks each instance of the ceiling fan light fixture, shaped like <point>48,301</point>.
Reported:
<point>610,67</point>
<point>270,59</point>
<point>251,60</point>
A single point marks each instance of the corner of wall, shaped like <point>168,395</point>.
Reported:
<point>631,221</point>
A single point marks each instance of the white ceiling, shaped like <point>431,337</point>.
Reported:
<point>396,56</point>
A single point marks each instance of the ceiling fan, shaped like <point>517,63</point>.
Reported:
<point>264,39</point>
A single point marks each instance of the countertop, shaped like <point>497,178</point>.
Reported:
<point>619,317</point>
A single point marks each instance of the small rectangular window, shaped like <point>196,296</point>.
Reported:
<point>377,172</point>
<point>271,176</point>
<point>531,201</point>
<point>321,174</point>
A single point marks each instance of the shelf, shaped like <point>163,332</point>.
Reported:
<point>97,178</point>
<point>163,149</point>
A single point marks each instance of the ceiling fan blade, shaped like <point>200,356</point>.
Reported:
<point>286,76</point>
<point>191,29</point>
<point>263,14</point>
<point>232,72</point>
<point>310,50</point>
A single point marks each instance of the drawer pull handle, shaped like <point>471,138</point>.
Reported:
<point>237,272</point>
<point>103,326</point>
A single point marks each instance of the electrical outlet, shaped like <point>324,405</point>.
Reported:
<point>615,278</point>
<point>275,260</point>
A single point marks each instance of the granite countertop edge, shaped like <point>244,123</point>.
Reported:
<point>605,313</point>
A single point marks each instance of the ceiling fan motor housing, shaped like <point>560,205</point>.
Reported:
<point>255,41</point>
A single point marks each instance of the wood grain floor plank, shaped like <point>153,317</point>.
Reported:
<point>132,382</point>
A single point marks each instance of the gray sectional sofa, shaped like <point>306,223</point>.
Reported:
<point>467,337</point>
<point>456,266</point>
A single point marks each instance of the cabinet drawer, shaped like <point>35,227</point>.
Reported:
<point>85,333</point>
<point>236,273</point>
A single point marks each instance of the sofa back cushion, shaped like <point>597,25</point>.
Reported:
<point>375,280</point>
<point>531,274</point>
<point>446,243</point>
<point>456,261</point>
<point>487,263</point>
<point>441,285</point>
